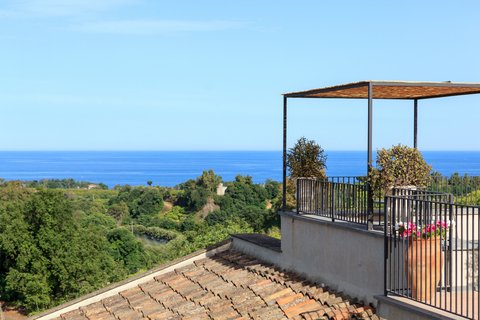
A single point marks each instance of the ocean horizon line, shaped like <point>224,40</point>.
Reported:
<point>169,168</point>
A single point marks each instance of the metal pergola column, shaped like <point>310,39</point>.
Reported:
<point>369,157</point>
<point>415,122</point>
<point>284,200</point>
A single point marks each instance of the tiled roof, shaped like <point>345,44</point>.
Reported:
<point>229,285</point>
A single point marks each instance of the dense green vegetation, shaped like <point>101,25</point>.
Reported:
<point>58,243</point>
<point>472,198</point>
<point>63,184</point>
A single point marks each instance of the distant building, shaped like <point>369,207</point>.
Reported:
<point>221,189</point>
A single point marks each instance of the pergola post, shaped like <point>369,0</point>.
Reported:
<point>369,158</point>
<point>284,199</point>
<point>415,122</point>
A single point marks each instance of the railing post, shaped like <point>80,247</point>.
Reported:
<point>385,245</point>
<point>284,156</point>
<point>298,196</point>
<point>333,201</point>
<point>450,243</point>
<point>369,158</point>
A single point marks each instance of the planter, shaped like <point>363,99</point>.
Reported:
<point>423,263</point>
<point>403,192</point>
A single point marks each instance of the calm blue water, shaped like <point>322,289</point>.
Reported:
<point>169,168</point>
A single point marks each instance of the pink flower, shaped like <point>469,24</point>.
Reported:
<point>438,228</point>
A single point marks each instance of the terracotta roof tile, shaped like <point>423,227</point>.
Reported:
<point>271,299</point>
<point>163,314</point>
<point>148,307</point>
<point>74,315</point>
<point>169,276</point>
<point>114,301</point>
<point>94,309</point>
<point>127,314</point>
<point>290,300</point>
<point>304,306</point>
<point>224,313</point>
<point>241,296</point>
<point>229,285</point>
<point>207,299</point>
<point>250,305</point>
<point>270,312</point>
<point>160,293</point>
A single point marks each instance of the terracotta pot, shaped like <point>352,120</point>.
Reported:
<point>423,263</point>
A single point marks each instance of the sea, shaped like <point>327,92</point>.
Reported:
<point>169,168</point>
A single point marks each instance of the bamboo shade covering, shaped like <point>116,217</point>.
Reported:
<point>390,90</point>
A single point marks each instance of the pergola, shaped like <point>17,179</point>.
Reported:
<point>377,89</point>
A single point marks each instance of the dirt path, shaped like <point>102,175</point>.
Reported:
<point>167,206</point>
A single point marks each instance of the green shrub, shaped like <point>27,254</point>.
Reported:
<point>399,166</point>
<point>140,200</point>
<point>154,232</point>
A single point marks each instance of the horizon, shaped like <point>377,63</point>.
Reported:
<point>169,168</point>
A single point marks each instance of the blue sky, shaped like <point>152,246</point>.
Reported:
<point>208,75</point>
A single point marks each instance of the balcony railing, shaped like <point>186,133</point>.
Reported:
<point>345,201</point>
<point>431,252</point>
<point>466,189</point>
<point>346,197</point>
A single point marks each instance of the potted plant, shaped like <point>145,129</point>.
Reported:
<point>423,259</point>
<point>399,166</point>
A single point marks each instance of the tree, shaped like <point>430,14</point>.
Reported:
<point>273,188</point>
<point>244,192</point>
<point>103,186</point>
<point>46,255</point>
<point>140,200</point>
<point>127,249</point>
<point>194,199</point>
<point>209,180</point>
<point>243,200</point>
<point>306,159</point>
<point>119,211</point>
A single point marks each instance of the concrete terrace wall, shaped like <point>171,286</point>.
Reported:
<point>346,257</point>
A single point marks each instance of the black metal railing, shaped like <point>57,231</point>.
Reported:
<point>348,179</point>
<point>346,197</point>
<point>431,251</point>
<point>465,189</point>
<point>336,200</point>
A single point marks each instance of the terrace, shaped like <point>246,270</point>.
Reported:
<point>340,218</point>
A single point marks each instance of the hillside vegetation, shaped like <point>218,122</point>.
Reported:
<point>57,243</point>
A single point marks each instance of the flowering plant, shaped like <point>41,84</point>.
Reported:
<point>435,229</point>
